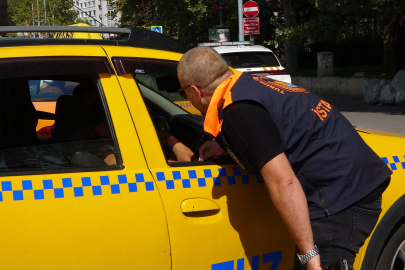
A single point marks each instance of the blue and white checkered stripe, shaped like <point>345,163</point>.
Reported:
<point>395,162</point>
<point>78,190</point>
<point>220,177</point>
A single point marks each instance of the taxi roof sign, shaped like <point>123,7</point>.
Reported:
<point>80,35</point>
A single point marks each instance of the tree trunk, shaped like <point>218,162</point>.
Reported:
<point>388,10</point>
<point>291,45</point>
<point>389,58</point>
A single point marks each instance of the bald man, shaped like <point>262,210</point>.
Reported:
<point>316,167</point>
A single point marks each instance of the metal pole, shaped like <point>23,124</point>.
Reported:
<point>45,13</point>
<point>46,34</point>
<point>220,13</point>
<point>240,20</point>
<point>32,11</point>
<point>38,13</point>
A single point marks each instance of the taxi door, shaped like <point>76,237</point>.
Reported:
<point>83,217</point>
<point>219,217</point>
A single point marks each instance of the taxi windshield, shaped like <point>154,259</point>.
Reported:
<point>250,59</point>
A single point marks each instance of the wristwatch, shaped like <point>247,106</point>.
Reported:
<point>306,257</point>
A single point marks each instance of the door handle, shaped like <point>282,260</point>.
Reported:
<point>194,205</point>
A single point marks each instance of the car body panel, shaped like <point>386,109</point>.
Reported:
<point>75,220</point>
<point>391,148</point>
<point>48,106</point>
<point>246,229</point>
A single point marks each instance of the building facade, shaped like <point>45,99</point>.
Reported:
<point>97,12</point>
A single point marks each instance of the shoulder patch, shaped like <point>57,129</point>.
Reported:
<point>280,86</point>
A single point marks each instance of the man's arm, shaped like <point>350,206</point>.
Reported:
<point>182,152</point>
<point>289,199</point>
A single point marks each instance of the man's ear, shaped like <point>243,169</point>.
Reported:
<point>197,91</point>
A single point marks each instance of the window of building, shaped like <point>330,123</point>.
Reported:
<point>94,3</point>
<point>81,5</point>
<point>84,4</point>
<point>32,138</point>
<point>94,12</point>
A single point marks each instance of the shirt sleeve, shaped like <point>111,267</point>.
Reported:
<point>250,130</point>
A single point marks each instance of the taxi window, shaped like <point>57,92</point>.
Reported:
<point>157,75</point>
<point>53,116</point>
<point>158,84</point>
<point>250,59</point>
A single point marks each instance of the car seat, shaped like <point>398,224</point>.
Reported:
<point>73,120</point>
<point>18,119</point>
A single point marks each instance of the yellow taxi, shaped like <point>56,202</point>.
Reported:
<point>101,193</point>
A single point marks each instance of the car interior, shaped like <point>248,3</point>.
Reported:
<point>48,119</point>
<point>74,107</point>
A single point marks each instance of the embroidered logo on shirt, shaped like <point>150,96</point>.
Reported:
<point>280,86</point>
<point>322,109</point>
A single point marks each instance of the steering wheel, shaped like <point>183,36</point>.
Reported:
<point>162,127</point>
<point>162,123</point>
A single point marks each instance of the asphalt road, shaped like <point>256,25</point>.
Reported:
<point>361,115</point>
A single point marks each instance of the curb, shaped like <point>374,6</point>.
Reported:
<point>333,86</point>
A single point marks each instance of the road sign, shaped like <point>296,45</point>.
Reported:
<point>250,9</point>
<point>212,34</point>
<point>157,29</point>
<point>251,26</point>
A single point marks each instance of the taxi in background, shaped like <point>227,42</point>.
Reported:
<point>253,59</point>
<point>103,192</point>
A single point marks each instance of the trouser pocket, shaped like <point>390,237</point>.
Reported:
<point>365,218</point>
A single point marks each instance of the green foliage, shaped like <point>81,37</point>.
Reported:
<point>58,12</point>
<point>189,20</point>
<point>80,20</point>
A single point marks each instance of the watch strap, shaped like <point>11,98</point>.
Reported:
<point>306,257</point>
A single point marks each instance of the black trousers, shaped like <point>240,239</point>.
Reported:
<point>399,52</point>
<point>340,236</point>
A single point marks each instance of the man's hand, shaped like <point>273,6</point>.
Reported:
<point>211,149</point>
<point>314,263</point>
<point>183,153</point>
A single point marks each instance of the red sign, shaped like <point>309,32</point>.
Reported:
<point>251,26</point>
<point>250,9</point>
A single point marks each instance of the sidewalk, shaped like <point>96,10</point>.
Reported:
<point>361,115</point>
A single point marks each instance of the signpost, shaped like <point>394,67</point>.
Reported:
<point>212,34</point>
<point>157,29</point>
<point>250,9</point>
<point>251,26</point>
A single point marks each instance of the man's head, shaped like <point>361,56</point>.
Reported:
<point>200,71</point>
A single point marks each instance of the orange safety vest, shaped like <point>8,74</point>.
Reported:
<point>221,99</point>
